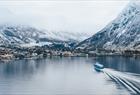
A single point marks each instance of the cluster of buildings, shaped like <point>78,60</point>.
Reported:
<point>30,52</point>
<point>7,53</point>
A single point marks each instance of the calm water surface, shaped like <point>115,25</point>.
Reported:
<point>63,76</point>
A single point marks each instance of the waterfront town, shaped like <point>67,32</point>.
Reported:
<point>18,52</point>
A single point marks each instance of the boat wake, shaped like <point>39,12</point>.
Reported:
<point>129,80</point>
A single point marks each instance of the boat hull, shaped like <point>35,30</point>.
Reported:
<point>98,67</point>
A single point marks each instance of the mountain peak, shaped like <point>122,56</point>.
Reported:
<point>122,32</point>
<point>135,3</point>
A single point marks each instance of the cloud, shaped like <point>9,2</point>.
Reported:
<point>74,16</point>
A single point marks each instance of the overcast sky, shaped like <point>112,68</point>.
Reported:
<point>73,16</point>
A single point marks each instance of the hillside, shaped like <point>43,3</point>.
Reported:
<point>122,33</point>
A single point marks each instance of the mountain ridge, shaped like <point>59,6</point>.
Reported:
<point>23,35</point>
<point>121,33</point>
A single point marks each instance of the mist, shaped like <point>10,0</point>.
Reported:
<point>71,16</point>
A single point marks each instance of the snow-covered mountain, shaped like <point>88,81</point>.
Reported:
<point>18,34</point>
<point>29,36</point>
<point>123,32</point>
<point>14,30</point>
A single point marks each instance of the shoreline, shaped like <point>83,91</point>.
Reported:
<point>41,57</point>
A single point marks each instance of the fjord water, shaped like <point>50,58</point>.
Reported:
<point>67,76</point>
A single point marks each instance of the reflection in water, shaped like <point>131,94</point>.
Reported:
<point>69,75</point>
<point>21,68</point>
<point>124,64</point>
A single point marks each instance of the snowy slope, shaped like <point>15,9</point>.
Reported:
<point>67,36</point>
<point>18,34</point>
<point>123,32</point>
<point>30,36</point>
